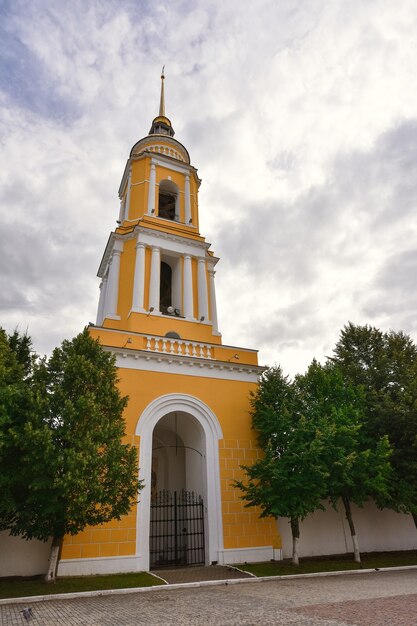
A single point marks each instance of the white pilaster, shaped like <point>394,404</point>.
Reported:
<point>187,213</point>
<point>102,300</point>
<point>122,210</point>
<point>126,207</point>
<point>213,303</point>
<point>112,291</point>
<point>188,288</point>
<point>202,290</point>
<point>151,195</point>
<point>139,280</point>
<point>155,279</point>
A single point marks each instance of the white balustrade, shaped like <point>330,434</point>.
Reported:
<point>170,345</point>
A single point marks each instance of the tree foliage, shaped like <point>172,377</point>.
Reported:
<point>288,481</point>
<point>384,366</point>
<point>310,431</point>
<point>15,403</point>
<point>71,468</point>
<point>358,466</point>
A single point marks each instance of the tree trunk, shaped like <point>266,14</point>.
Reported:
<point>356,553</point>
<point>54,557</point>
<point>295,529</point>
<point>414,518</point>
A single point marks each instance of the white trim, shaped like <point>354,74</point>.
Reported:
<point>112,291</point>
<point>151,190</point>
<point>126,209</point>
<point>170,166</point>
<point>213,432</point>
<point>175,243</point>
<point>99,565</point>
<point>155,279</point>
<point>136,334</point>
<point>157,141</point>
<point>102,300</point>
<point>183,366</point>
<point>202,296</point>
<point>249,555</point>
<point>213,303</point>
<point>139,278</point>
<point>187,201</point>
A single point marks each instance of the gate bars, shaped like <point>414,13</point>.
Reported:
<point>176,529</point>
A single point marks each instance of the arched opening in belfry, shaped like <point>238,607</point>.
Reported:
<point>165,295</point>
<point>170,285</point>
<point>168,201</point>
<point>178,492</point>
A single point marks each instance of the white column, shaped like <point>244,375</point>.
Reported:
<point>187,212</point>
<point>112,292</point>
<point>188,288</point>
<point>151,195</point>
<point>122,210</point>
<point>213,304</point>
<point>102,300</point>
<point>202,290</point>
<point>126,207</point>
<point>155,279</point>
<point>139,280</point>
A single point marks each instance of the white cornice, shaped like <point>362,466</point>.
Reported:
<point>155,140</point>
<point>184,366</point>
<point>174,243</point>
<point>162,239</point>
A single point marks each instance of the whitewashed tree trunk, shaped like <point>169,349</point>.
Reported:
<point>356,553</point>
<point>295,530</point>
<point>295,544</point>
<point>53,559</point>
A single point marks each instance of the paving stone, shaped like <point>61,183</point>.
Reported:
<point>349,600</point>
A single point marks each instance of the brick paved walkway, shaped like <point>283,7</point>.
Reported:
<point>378,599</point>
<point>195,574</point>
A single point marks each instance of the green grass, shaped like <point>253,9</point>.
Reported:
<point>373,560</point>
<point>20,587</point>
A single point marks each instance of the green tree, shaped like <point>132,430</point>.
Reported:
<point>289,480</point>
<point>15,404</point>
<point>385,366</point>
<point>73,469</point>
<point>358,466</point>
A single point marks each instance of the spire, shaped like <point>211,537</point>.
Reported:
<point>161,125</point>
<point>162,100</point>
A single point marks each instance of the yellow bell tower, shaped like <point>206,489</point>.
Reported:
<point>157,271</point>
<point>188,410</point>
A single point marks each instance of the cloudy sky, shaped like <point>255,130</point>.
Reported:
<point>301,117</point>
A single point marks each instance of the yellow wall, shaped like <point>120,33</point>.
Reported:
<point>229,400</point>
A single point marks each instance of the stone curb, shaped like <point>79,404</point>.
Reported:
<point>202,583</point>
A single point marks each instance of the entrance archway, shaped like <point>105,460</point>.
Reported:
<point>178,492</point>
<point>169,424</point>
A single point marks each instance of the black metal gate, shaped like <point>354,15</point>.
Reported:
<point>176,529</point>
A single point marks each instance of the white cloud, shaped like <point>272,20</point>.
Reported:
<point>299,116</point>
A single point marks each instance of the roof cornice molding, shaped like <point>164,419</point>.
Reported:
<point>156,139</point>
<point>165,236</point>
<point>146,234</point>
<point>184,365</point>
